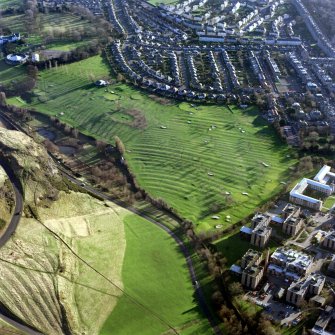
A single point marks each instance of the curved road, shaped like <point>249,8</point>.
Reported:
<point>9,232</point>
<point>17,215</point>
<point>18,205</point>
<point>200,295</point>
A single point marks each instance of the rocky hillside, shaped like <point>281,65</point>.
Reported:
<point>7,200</point>
<point>54,269</point>
<point>32,165</point>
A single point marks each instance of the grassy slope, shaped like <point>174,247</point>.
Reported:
<point>11,73</point>
<point>7,329</point>
<point>233,247</point>
<point>90,228</point>
<point>167,2</point>
<point>156,275</point>
<point>174,163</point>
<point>5,210</point>
<point>38,270</point>
<point>63,22</point>
<point>9,3</point>
<point>36,265</point>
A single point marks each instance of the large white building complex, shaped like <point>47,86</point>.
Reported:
<point>323,182</point>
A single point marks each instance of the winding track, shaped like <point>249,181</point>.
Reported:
<point>9,232</point>
<point>200,295</point>
<point>17,215</point>
<point>18,205</point>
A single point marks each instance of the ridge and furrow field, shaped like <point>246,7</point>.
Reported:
<point>204,153</point>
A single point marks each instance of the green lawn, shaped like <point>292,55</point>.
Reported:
<point>166,2</point>
<point>128,250</point>
<point>329,202</point>
<point>62,27</point>
<point>154,273</point>
<point>10,73</point>
<point>17,101</point>
<point>201,164</point>
<point>62,22</point>
<point>233,247</point>
<point>4,4</point>
<point>66,45</point>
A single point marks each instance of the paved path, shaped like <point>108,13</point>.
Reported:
<point>19,326</point>
<point>200,295</point>
<point>9,232</point>
<point>19,205</point>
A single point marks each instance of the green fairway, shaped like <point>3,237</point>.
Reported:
<point>165,2</point>
<point>56,31</point>
<point>65,45</point>
<point>10,73</point>
<point>61,22</point>
<point>4,4</point>
<point>154,273</point>
<point>233,247</point>
<point>202,161</point>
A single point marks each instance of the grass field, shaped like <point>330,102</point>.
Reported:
<point>233,247</point>
<point>39,273</point>
<point>65,45</point>
<point>43,274</point>
<point>63,267</point>
<point>156,275</point>
<point>166,2</point>
<point>63,22</point>
<point>58,27</point>
<point>6,328</point>
<point>203,160</point>
<point>329,202</point>
<point>11,73</point>
<point>9,4</point>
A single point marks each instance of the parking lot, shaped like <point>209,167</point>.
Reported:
<point>274,309</point>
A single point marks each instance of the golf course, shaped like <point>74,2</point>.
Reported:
<point>149,152</point>
<point>203,160</point>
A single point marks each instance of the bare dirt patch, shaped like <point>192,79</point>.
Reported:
<point>131,117</point>
<point>139,120</point>
<point>7,201</point>
<point>161,100</point>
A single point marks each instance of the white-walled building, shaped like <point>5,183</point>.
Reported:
<point>323,182</point>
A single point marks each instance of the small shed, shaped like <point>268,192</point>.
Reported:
<point>246,230</point>
<point>236,269</point>
<point>101,83</point>
<point>280,293</point>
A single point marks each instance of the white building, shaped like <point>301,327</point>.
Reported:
<point>323,182</point>
<point>289,263</point>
